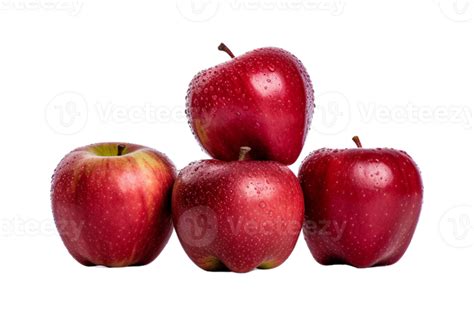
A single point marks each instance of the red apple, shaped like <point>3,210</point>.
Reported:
<point>238,215</point>
<point>111,203</point>
<point>262,99</point>
<point>362,205</point>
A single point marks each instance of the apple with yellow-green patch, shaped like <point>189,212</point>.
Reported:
<point>111,203</point>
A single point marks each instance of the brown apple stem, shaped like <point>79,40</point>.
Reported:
<point>120,149</point>
<point>357,141</point>
<point>224,48</point>
<point>243,154</point>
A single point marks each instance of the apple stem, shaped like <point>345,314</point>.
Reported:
<point>243,154</point>
<point>224,48</point>
<point>357,141</point>
<point>120,149</point>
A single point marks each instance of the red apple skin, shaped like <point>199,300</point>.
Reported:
<point>113,210</point>
<point>262,99</point>
<point>238,215</point>
<point>361,205</point>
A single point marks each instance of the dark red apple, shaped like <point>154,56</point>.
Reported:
<point>361,205</point>
<point>262,99</point>
<point>237,215</point>
<point>111,203</point>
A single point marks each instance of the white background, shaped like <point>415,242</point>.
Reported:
<point>72,72</point>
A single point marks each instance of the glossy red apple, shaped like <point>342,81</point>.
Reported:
<point>111,203</point>
<point>262,99</point>
<point>362,205</point>
<point>238,215</point>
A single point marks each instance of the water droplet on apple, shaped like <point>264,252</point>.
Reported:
<point>262,204</point>
<point>271,68</point>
